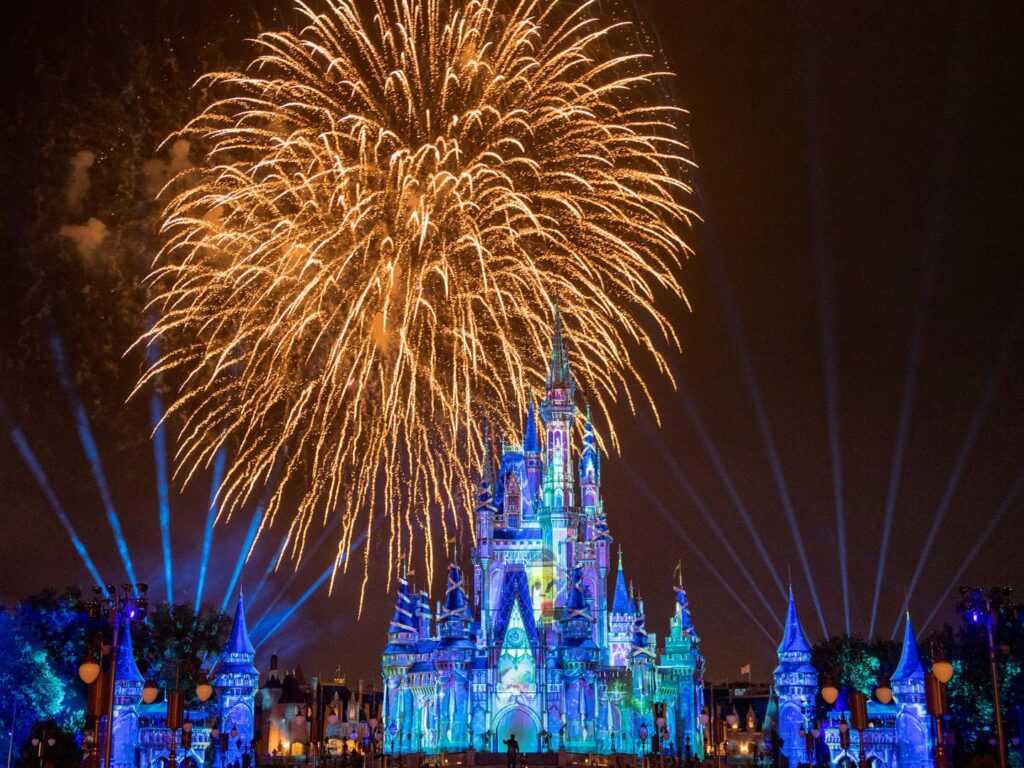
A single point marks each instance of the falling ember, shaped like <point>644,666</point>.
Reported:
<point>364,267</point>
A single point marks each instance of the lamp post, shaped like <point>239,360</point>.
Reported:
<point>118,604</point>
<point>979,607</point>
<point>642,733</point>
<point>935,697</point>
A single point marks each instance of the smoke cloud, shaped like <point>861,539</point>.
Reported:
<point>86,237</point>
<point>78,181</point>
<point>158,172</point>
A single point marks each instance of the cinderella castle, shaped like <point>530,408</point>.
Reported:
<point>543,649</point>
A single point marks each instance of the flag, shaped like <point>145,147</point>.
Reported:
<point>745,669</point>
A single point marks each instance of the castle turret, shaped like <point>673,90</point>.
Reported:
<point>913,731</point>
<point>796,684</point>
<point>683,664</point>
<point>127,694</point>
<point>531,454</point>
<point>620,621</point>
<point>236,681</point>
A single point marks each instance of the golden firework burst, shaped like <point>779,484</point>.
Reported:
<point>363,268</point>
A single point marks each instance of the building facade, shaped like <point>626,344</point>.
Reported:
<point>141,737</point>
<point>899,733</point>
<point>547,642</point>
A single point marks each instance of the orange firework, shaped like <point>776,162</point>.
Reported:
<point>365,266</point>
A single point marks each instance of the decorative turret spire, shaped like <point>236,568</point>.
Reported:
<point>577,618</point>
<point>621,602</point>
<point>794,639</point>
<point>559,372</point>
<point>454,616</point>
<point>404,620</point>
<point>127,669</point>
<point>531,444</point>
<point>683,610</point>
<point>238,639</point>
<point>910,667</point>
<point>640,650</point>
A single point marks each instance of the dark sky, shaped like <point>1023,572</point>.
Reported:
<point>860,185</point>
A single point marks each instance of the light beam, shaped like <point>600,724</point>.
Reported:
<point>313,588</point>
<point>983,537</point>
<point>156,415</point>
<point>29,457</point>
<point>757,402</point>
<point>688,540</point>
<point>92,452</point>
<point>219,462</point>
<point>991,385</point>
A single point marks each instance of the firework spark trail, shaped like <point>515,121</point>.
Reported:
<point>29,457</point>
<point>369,256</point>
<point>92,452</point>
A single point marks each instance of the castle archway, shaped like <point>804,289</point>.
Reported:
<point>524,724</point>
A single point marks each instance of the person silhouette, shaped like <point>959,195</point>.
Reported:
<point>513,750</point>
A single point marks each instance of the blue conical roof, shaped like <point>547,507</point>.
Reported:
<point>621,602</point>
<point>238,640</point>
<point>404,619</point>
<point>910,667</point>
<point>683,607</point>
<point>455,603</point>
<point>794,639</point>
<point>127,669</point>
<point>531,444</point>
<point>576,602</point>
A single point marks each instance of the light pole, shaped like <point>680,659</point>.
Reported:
<point>980,608</point>
<point>127,603</point>
<point>935,696</point>
<point>643,743</point>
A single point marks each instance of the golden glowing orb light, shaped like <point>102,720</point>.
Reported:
<point>364,265</point>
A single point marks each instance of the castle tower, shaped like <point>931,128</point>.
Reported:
<point>558,410</point>
<point>534,470</point>
<point>683,664</point>
<point>398,656</point>
<point>558,518</point>
<point>620,622</point>
<point>454,656</point>
<point>796,684</point>
<point>127,694</point>
<point>579,656</point>
<point>913,730</point>
<point>236,681</point>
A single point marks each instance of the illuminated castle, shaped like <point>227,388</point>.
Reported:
<point>544,649</point>
<point>899,733</point>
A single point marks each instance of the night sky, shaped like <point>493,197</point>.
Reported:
<point>860,187</point>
